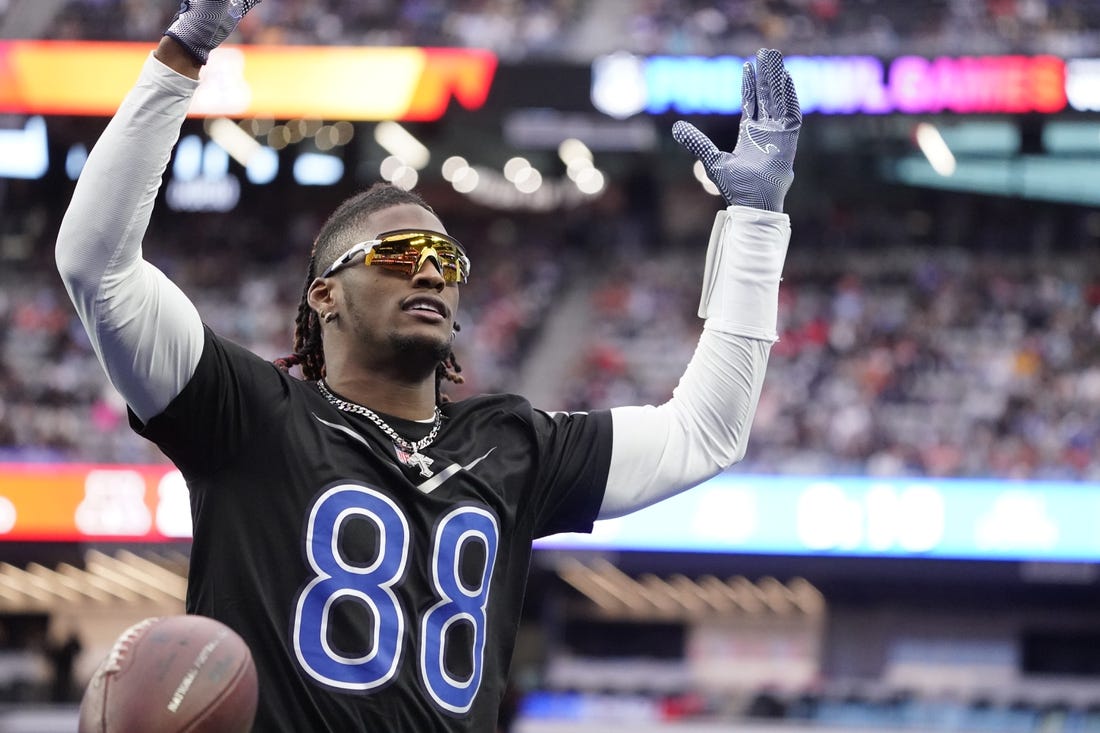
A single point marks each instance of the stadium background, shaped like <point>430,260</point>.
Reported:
<point>910,542</point>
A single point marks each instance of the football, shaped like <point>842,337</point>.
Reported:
<point>172,674</point>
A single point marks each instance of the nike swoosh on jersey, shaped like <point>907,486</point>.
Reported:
<point>343,429</point>
<point>428,486</point>
<point>433,483</point>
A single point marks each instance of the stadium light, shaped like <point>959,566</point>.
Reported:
<point>317,169</point>
<point>401,143</point>
<point>935,149</point>
<point>239,144</point>
<point>24,153</point>
<point>453,167</point>
<point>572,151</point>
<point>466,180</point>
<point>389,167</point>
<point>528,180</point>
<point>591,181</point>
<point>514,167</point>
<point>75,160</point>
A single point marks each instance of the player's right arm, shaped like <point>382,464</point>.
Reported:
<point>147,334</point>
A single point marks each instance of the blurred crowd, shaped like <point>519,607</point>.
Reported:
<point>879,27</point>
<point>949,338</point>
<point>245,273</point>
<point>954,337</point>
<point>582,29</point>
<point>513,28</point>
<point>961,341</point>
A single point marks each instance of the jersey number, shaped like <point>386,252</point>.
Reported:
<point>336,580</point>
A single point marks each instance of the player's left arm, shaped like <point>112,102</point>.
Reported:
<point>660,451</point>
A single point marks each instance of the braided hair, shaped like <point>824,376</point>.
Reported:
<point>333,238</point>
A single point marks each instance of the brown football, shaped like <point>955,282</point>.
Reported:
<point>172,674</point>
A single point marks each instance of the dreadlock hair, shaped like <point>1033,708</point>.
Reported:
<point>335,237</point>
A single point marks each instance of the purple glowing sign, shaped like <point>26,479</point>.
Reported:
<point>623,85</point>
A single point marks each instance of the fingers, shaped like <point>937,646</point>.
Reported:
<point>696,142</point>
<point>748,92</point>
<point>769,64</point>
<point>776,95</point>
<point>238,8</point>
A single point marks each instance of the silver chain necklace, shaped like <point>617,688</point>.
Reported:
<point>408,453</point>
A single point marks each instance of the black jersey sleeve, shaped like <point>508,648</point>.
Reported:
<point>574,458</point>
<point>233,396</point>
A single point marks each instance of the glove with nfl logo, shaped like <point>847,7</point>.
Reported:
<point>200,25</point>
<point>760,170</point>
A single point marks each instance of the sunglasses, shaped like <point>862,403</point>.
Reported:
<point>406,251</point>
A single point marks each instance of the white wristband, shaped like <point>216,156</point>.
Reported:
<point>743,268</point>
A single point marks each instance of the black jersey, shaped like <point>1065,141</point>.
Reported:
<point>374,597</point>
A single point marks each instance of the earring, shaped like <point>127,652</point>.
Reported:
<point>329,317</point>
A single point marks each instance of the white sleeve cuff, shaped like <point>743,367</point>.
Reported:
<point>743,268</point>
<point>153,70</point>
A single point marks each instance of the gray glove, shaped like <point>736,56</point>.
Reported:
<point>759,171</point>
<point>200,25</point>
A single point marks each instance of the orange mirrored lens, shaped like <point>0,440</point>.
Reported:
<point>406,251</point>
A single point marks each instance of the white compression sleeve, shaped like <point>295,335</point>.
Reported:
<point>145,331</point>
<point>660,451</point>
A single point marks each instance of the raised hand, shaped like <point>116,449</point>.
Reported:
<point>760,170</point>
<point>200,25</point>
